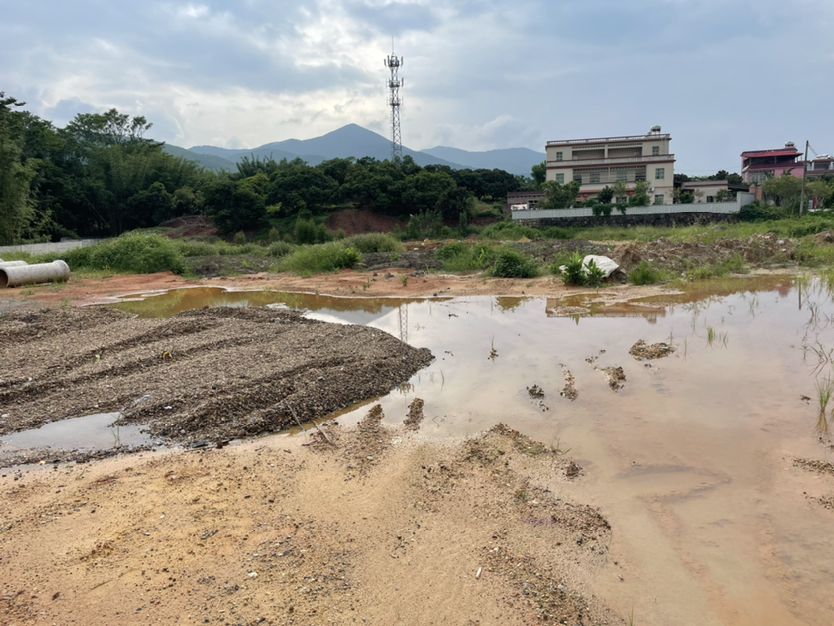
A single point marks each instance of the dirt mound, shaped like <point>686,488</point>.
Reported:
<point>359,222</point>
<point>644,352</point>
<point>209,375</point>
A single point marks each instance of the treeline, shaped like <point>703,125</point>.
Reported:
<point>100,176</point>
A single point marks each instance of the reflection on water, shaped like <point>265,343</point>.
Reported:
<point>91,432</point>
<point>690,460</point>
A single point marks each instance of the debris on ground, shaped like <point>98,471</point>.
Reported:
<point>644,352</point>
<point>535,391</point>
<point>615,375</point>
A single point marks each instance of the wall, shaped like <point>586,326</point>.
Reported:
<point>42,248</point>
<point>715,208</point>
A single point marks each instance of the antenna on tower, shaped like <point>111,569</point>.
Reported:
<point>393,63</point>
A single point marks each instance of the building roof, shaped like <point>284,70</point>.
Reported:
<point>770,153</point>
<point>644,137</point>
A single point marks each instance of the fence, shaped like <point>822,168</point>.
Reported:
<point>721,208</point>
<point>43,248</point>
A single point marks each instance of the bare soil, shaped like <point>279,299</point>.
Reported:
<point>210,375</point>
<point>276,531</point>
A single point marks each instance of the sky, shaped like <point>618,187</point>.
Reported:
<point>721,76</point>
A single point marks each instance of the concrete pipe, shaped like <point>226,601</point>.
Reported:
<point>12,263</point>
<point>57,271</point>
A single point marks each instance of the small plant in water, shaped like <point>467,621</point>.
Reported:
<point>825,389</point>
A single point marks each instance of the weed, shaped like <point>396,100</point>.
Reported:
<point>573,272</point>
<point>710,335</point>
<point>593,275</point>
<point>404,280</point>
<point>375,242</point>
<point>825,389</point>
<point>240,238</point>
<point>645,274</point>
<point>322,258</point>
<point>395,257</point>
<point>512,264</point>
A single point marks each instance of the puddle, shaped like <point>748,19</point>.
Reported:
<point>691,460</point>
<point>92,432</point>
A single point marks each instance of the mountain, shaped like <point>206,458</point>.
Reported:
<point>349,141</point>
<point>209,161</point>
<point>512,160</point>
<point>354,141</point>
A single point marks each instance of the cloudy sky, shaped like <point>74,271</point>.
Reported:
<point>721,76</point>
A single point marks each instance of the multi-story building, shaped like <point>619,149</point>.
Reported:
<point>822,165</point>
<point>600,162</point>
<point>759,165</point>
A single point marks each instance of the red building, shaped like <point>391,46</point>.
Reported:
<point>759,165</point>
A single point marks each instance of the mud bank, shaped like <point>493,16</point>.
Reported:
<point>209,375</point>
<point>276,532</point>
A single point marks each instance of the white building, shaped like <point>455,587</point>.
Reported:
<point>599,162</point>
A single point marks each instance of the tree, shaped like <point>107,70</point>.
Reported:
<point>559,196</point>
<point>822,192</point>
<point>641,194</point>
<point>620,189</point>
<point>725,195</point>
<point>539,174</point>
<point>784,191</point>
<point>16,175</point>
<point>606,195</point>
<point>234,206</point>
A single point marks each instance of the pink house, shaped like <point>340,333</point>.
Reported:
<point>759,165</point>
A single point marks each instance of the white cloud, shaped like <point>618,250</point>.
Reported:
<point>721,76</point>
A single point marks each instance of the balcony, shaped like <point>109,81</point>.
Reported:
<point>655,158</point>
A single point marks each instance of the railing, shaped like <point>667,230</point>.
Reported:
<point>647,158</point>
<point>567,142</point>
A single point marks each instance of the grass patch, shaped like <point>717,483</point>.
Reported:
<point>512,264</point>
<point>459,257</point>
<point>646,274</point>
<point>374,242</point>
<point>733,265</point>
<point>319,259</point>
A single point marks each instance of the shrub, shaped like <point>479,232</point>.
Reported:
<point>593,274</point>
<point>512,264</point>
<point>136,254</point>
<point>510,231</point>
<point>274,235</point>
<point>645,274</point>
<point>196,248</point>
<point>574,274</point>
<point>758,212</point>
<point>308,232</point>
<point>374,242</point>
<point>322,258</point>
<point>554,232</point>
<point>451,251</point>
<point>239,238</point>
<point>279,249</point>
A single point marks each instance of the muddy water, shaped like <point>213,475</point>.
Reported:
<point>691,460</point>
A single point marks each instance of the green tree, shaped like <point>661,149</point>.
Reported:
<point>233,206</point>
<point>539,173</point>
<point>725,195</point>
<point>784,191</point>
<point>16,175</point>
<point>606,195</point>
<point>559,196</point>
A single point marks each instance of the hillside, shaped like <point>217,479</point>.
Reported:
<point>209,161</point>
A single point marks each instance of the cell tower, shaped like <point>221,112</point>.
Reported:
<point>393,63</point>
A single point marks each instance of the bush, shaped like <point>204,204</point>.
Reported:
<point>322,258</point>
<point>593,274</point>
<point>512,264</point>
<point>136,254</point>
<point>645,274</point>
<point>554,232</point>
<point>374,242</point>
<point>308,232</point>
<point>239,238</point>
<point>758,212</point>
<point>574,274</point>
<point>279,249</point>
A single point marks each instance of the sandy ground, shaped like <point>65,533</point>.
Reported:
<point>85,291</point>
<point>379,528</point>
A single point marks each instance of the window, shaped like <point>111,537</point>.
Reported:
<point>655,150</point>
<point>558,156</point>
<point>560,178</point>
<point>578,178</point>
<point>710,199</point>
<point>760,177</point>
<point>658,199</point>
<point>660,173</point>
<point>594,177</point>
<point>622,200</point>
<point>622,176</point>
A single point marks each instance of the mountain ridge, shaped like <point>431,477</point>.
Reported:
<point>355,141</point>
